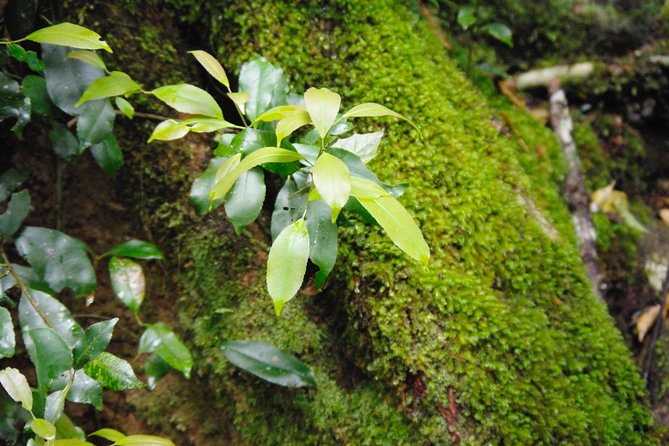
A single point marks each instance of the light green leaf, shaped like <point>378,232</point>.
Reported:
<point>372,109</point>
<point>466,16</point>
<point>269,363</point>
<point>89,57</point>
<point>240,99</point>
<point>244,201</point>
<point>397,223</point>
<point>49,353</point>
<point>286,126</point>
<point>59,316</point>
<point>16,385</point>
<point>212,66</point>
<point>7,338</point>
<point>95,341</point>
<point>204,124</point>
<point>108,434</point>
<point>95,123</point>
<point>17,210</point>
<point>59,259</point>
<point>365,188</point>
<point>333,181</point>
<point>126,107</point>
<point>109,86</point>
<point>287,263</point>
<point>143,440</point>
<point>128,283</point>
<point>137,249</point>
<point>169,130</point>
<point>260,156</point>
<point>112,372</point>
<point>43,428</point>
<point>364,145</point>
<point>65,144</point>
<point>278,112</point>
<point>53,408</point>
<point>108,154</point>
<point>165,343</point>
<point>265,84</point>
<point>71,442</point>
<point>323,106</point>
<point>322,239</point>
<point>68,34</point>
<point>190,99</point>
<point>499,31</point>
<point>66,429</point>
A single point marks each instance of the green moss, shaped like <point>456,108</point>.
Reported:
<point>502,319</point>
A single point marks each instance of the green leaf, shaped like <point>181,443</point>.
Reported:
<point>155,369</point>
<point>260,156</point>
<point>7,338</point>
<point>112,373</point>
<point>65,144</point>
<point>190,99</point>
<point>212,66</point>
<point>71,442</point>
<point>89,57</point>
<point>278,112</point>
<point>43,428</point>
<point>269,363</point>
<point>57,258</point>
<point>127,279</point>
<point>466,16</point>
<point>137,249</point>
<point>265,84</point>
<point>290,204</point>
<point>85,390</point>
<point>169,130</point>
<point>244,201</point>
<point>162,340</point>
<point>95,123</point>
<point>34,87</point>
<point>29,57</point>
<point>53,408</point>
<point>287,263</point>
<point>16,385</point>
<point>249,140</point>
<point>240,99</point>
<point>13,103</point>
<point>58,314</point>
<point>372,109</point>
<point>49,353</point>
<point>67,79</point>
<point>116,84</point>
<point>323,106</point>
<point>10,180</point>
<point>108,434</point>
<point>17,210</point>
<point>499,31</point>
<point>364,145</point>
<point>394,219</point>
<point>286,126</point>
<point>108,154</point>
<point>143,440</point>
<point>333,181</point>
<point>95,341</point>
<point>322,239</point>
<point>204,124</point>
<point>199,191</point>
<point>126,107</point>
<point>68,34</point>
<point>67,430</point>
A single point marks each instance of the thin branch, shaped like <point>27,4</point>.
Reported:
<point>657,328</point>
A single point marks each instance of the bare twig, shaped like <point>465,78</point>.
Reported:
<point>657,328</point>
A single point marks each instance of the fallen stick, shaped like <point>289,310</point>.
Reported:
<point>543,77</point>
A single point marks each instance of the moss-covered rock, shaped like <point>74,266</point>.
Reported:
<point>498,341</point>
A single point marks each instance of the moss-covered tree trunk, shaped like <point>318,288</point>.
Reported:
<point>498,341</point>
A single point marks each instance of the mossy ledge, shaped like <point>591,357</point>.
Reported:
<point>502,320</point>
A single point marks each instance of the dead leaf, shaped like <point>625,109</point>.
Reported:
<point>646,321</point>
<point>664,215</point>
<point>508,91</point>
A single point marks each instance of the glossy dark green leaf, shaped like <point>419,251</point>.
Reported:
<point>7,282</point>
<point>67,78</point>
<point>108,154</point>
<point>53,408</point>
<point>359,169</point>
<point>250,140</point>
<point>128,282</point>
<point>49,353</point>
<point>65,144</point>
<point>34,87</point>
<point>95,122</point>
<point>155,369</point>
<point>17,210</point>
<point>466,16</point>
<point>58,314</point>
<point>266,85</point>
<point>162,340</point>
<point>13,103</point>
<point>269,363</point>
<point>59,259</point>
<point>95,341</point>
<point>29,57</point>
<point>10,180</point>
<point>137,249</point>
<point>244,201</point>
<point>290,204</point>
<point>7,338</point>
<point>33,280</point>
<point>322,239</point>
<point>113,373</point>
<point>499,31</point>
<point>199,192</point>
<point>85,390</point>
